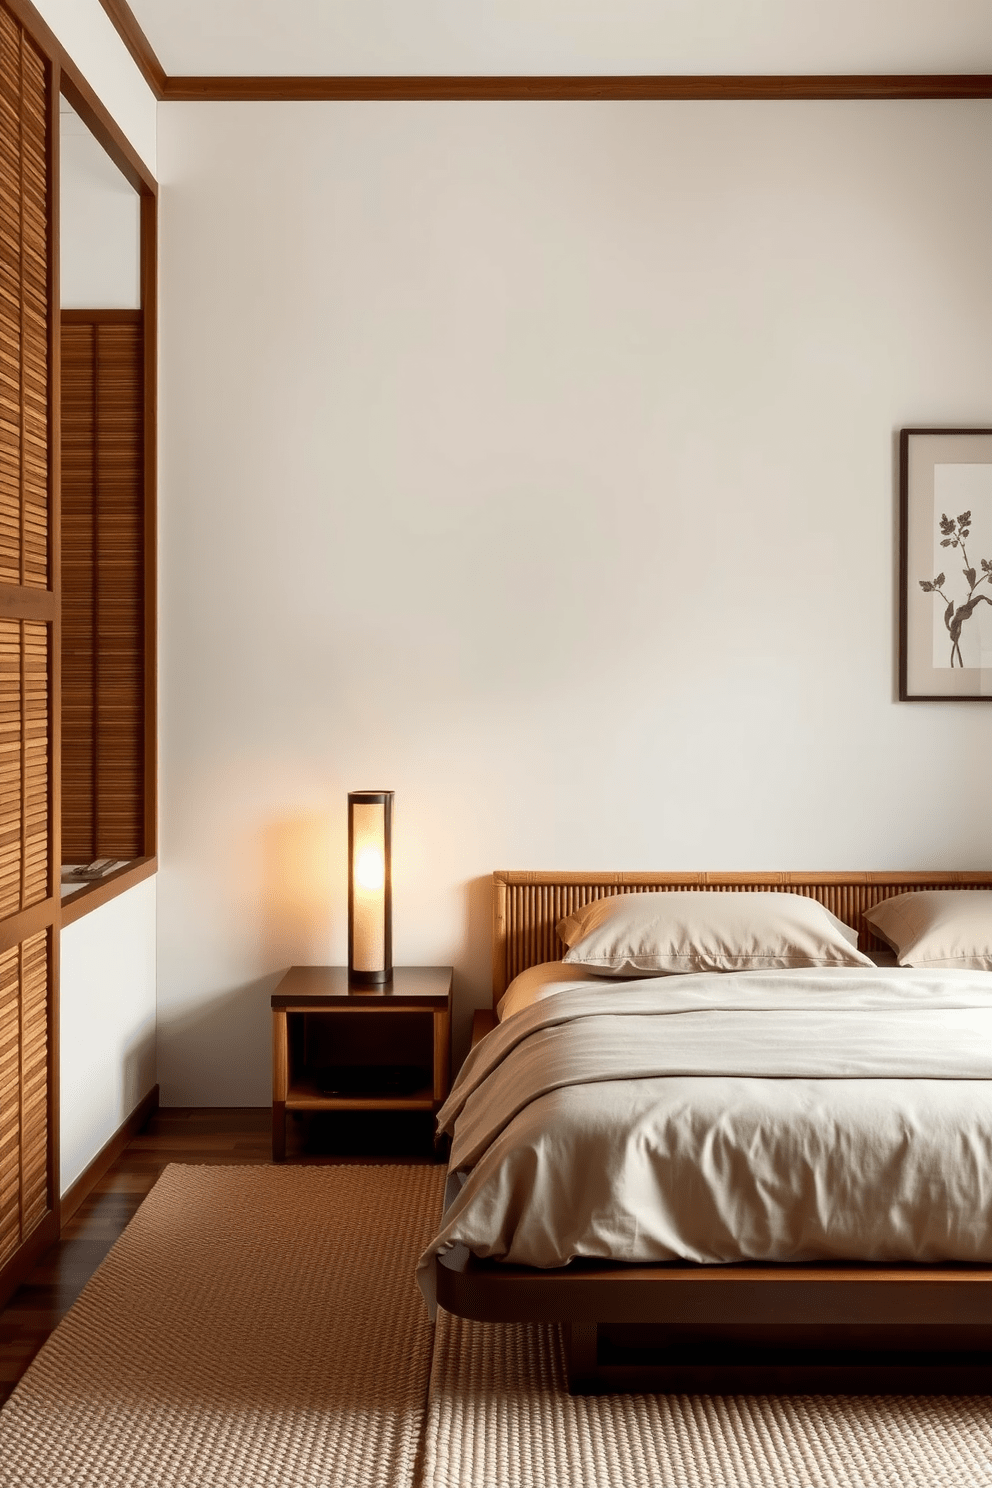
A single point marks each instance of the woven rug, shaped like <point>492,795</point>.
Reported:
<point>500,1417</point>
<point>252,1326</point>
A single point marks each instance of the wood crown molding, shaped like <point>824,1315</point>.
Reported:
<point>524,88</point>
<point>126,25</point>
<point>575,89</point>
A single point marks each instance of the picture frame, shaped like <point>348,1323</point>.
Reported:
<point>945,565</point>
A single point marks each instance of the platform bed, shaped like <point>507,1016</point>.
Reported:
<point>844,1328</point>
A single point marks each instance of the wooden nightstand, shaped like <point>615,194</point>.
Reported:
<point>336,1047</point>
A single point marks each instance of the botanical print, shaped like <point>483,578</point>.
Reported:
<point>960,636</point>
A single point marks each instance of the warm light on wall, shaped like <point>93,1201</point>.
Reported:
<point>370,900</point>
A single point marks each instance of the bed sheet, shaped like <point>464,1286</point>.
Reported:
<point>763,1116</point>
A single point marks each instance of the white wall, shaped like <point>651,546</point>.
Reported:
<point>107,1023</point>
<point>87,33</point>
<point>100,224</point>
<point>538,461</point>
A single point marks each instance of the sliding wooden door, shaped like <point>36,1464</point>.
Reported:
<point>29,611</point>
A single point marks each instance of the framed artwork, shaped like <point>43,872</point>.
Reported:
<point>945,568</point>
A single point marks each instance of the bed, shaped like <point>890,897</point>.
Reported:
<point>850,1325</point>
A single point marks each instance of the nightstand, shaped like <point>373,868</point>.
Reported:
<point>337,1047</point>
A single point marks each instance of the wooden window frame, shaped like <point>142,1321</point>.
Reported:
<point>49,915</point>
<point>103,809</point>
<point>107,133</point>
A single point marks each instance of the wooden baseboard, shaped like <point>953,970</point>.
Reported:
<point>108,1154</point>
<point>20,1266</point>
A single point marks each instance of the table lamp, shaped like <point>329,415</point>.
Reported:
<point>370,897</point>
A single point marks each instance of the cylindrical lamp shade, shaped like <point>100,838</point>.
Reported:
<point>370,898</point>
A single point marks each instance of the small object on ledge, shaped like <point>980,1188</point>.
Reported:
<point>92,872</point>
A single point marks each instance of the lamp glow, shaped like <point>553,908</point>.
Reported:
<point>370,870</point>
<point>370,938</point>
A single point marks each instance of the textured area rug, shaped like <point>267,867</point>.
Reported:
<point>500,1417</point>
<point>254,1326</point>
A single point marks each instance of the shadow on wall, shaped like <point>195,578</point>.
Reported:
<point>219,1052</point>
<point>138,1069</point>
<point>94,1106</point>
<point>473,960</point>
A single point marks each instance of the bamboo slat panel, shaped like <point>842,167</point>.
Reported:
<point>26,753</point>
<point>24,764</point>
<point>24,1197</point>
<point>11,767</point>
<point>34,1082</point>
<point>10,1115</point>
<point>528,905</point>
<point>120,558</point>
<point>78,595</point>
<point>102,590</point>
<point>24,329</point>
<point>36,751</point>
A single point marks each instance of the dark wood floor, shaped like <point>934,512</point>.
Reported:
<point>198,1136</point>
<point>214,1135</point>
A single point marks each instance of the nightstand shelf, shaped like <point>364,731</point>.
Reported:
<point>337,1047</point>
<point>307,1095</point>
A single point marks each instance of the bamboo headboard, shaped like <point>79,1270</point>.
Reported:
<point>528,905</point>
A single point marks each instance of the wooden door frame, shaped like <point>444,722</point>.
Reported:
<point>65,79</point>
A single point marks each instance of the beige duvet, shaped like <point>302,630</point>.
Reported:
<point>775,1116</point>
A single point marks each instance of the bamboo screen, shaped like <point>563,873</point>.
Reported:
<point>102,589</point>
<point>23,310</point>
<point>527,906</point>
<point>27,609</point>
<point>23,1091</point>
<point>24,765</point>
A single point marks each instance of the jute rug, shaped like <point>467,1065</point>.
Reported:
<point>261,1326</point>
<point>500,1417</point>
<point>252,1326</point>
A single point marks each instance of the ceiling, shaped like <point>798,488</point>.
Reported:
<point>563,37</point>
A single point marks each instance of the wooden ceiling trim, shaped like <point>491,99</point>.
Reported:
<point>84,100</point>
<point>109,133</point>
<point>577,89</point>
<point>524,88</point>
<point>125,23</point>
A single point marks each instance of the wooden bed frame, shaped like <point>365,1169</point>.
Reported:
<point>851,1328</point>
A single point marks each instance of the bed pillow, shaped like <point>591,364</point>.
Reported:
<point>697,930</point>
<point>937,927</point>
